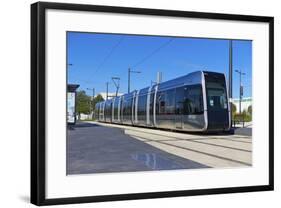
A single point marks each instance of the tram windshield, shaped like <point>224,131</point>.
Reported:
<point>216,94</point>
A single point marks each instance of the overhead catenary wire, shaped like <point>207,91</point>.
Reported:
<point>113,48</point>
<point>152,53</point>
<point>110,52</point>
<point>141,60</point>
<point>149,55</point>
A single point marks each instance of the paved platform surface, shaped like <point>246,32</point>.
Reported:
<point>245,129</point>
<point>95,148</point>
<point>99,147</point>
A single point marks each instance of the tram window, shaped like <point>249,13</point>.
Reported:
<point>161,101</point>
<point>116,108</point>
<point>125,104</point>
<point>142,104</point>
<point>166,102</point>
<point>151,103</point>
<point>217,98</point>
<point>194,100</point>
<point>170,101</point>
<point>108,109</point>
<point>127,109</point>
<point>179,100</point>
<point>189,100</point>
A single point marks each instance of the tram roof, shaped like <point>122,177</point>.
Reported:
<point>188,79</point>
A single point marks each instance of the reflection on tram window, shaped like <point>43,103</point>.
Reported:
<point>189,100</point>
<point>166,102</point>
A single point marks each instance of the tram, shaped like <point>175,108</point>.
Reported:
<point>196,102</point>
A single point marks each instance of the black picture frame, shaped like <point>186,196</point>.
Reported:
<point>38,102</point>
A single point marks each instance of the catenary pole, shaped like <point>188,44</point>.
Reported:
<point>106,90</point>
<point>129,78</point>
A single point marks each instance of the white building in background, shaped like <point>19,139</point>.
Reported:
<point>245,103</point>
<point>85,116</point>
<point>110,94</point>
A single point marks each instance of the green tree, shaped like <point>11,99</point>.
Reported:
<point>233,109</point>
<point>250,109</point>
<point>97,99</point>
<point>83,103</point>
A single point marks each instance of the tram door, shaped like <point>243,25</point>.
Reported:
<point>179,108</point>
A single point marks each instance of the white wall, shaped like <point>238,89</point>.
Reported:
<point>110,95</point>
<point>14,79</point>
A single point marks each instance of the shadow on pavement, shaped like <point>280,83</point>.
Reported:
<point>81,125</point>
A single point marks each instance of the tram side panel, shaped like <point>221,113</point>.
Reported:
<point>127,110</point>
<point>115,109</point>
<point>121,104</point>
<point>106,112</point>
<point>165,109</point>
<point>112,110</point>
<point>142,108</point>
<point>178,104</point>
<point>180,108</point>
<point>152,107</point>
<point>109,111</point>
<point>192,110</point>
<point>133,114</point>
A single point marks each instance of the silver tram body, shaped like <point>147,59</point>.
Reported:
<point>194,102</point>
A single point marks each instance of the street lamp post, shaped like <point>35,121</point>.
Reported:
<point>129,77</point>
<point>241,88</point>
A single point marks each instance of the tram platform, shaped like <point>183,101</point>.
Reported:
<point>101,147</point>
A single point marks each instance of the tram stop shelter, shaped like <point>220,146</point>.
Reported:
<point>71,103</point>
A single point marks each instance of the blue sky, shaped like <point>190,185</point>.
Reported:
<point>95,58</point>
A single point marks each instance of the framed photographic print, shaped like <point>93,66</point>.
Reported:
<point>134,103</point>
